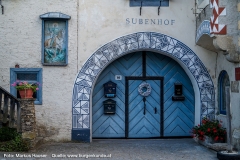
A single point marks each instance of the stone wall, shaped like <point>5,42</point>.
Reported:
<point>231,19</point>
<point>28,121</point>
<point>20,43</point>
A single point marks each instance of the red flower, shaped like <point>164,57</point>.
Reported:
<point>210,128</point>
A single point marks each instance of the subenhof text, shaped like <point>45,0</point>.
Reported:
<point>150,21</point>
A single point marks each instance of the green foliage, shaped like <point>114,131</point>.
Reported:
<point>7,134</point>
<point>11,141</point>
<point>210,128</point>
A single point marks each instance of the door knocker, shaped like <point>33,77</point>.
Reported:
<point>144,89</point>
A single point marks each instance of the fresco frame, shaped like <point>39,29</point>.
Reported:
<point>54,43</point>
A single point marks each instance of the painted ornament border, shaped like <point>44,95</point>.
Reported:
<point>130,43</point>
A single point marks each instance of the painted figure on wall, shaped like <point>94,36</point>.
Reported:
<point>54,42</point>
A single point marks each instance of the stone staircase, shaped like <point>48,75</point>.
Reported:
<point>9,110</point>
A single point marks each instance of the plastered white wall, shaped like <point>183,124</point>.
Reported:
<point>93,24</point>
<point>20,42</point>
<point>223,64</point>
<point>113,22</point>
<point>102,21</point>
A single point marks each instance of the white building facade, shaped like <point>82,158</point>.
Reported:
<point>142,50</point>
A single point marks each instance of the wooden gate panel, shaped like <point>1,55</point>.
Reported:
<point>113,125</point>
<point>178,115</point>
<point>144,124</point>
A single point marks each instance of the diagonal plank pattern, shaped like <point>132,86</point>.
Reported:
<point>140,41</point>
<point>113,126</point>
<point>144,125</point>
<point>178,116</point>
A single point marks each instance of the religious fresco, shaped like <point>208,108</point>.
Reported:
<point>55,42</point>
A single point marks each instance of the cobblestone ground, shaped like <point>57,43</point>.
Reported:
<point>120,149</point>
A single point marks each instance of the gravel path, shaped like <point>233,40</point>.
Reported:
<point>119,149</point>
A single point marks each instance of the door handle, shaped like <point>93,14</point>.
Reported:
<point>144,109</point>
<point>155,110</point>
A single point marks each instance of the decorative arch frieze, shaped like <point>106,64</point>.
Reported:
<point>157,42</point>
<point>203,36</point>
<point>204,28</point>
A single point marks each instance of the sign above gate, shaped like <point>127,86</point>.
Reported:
<point>157,3</point>
<point>141,21</point>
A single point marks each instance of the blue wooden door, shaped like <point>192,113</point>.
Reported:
<point>178,116</point>
<point>143,111</point>
<point>113,125</point>
<point>173,118</point>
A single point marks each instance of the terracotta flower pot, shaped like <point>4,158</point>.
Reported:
<point>26,93</point>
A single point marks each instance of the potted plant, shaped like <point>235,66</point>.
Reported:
<point>210,129</point>
<point>25,88</point>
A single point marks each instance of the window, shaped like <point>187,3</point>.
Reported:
<point>30,75</point>
<point>223,92</point>
<point>138,3</point>
<point>54,38</point>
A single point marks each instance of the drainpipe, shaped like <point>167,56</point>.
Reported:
<point>229,118</point>
<point>196,23</point>
<point>77,33</point>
